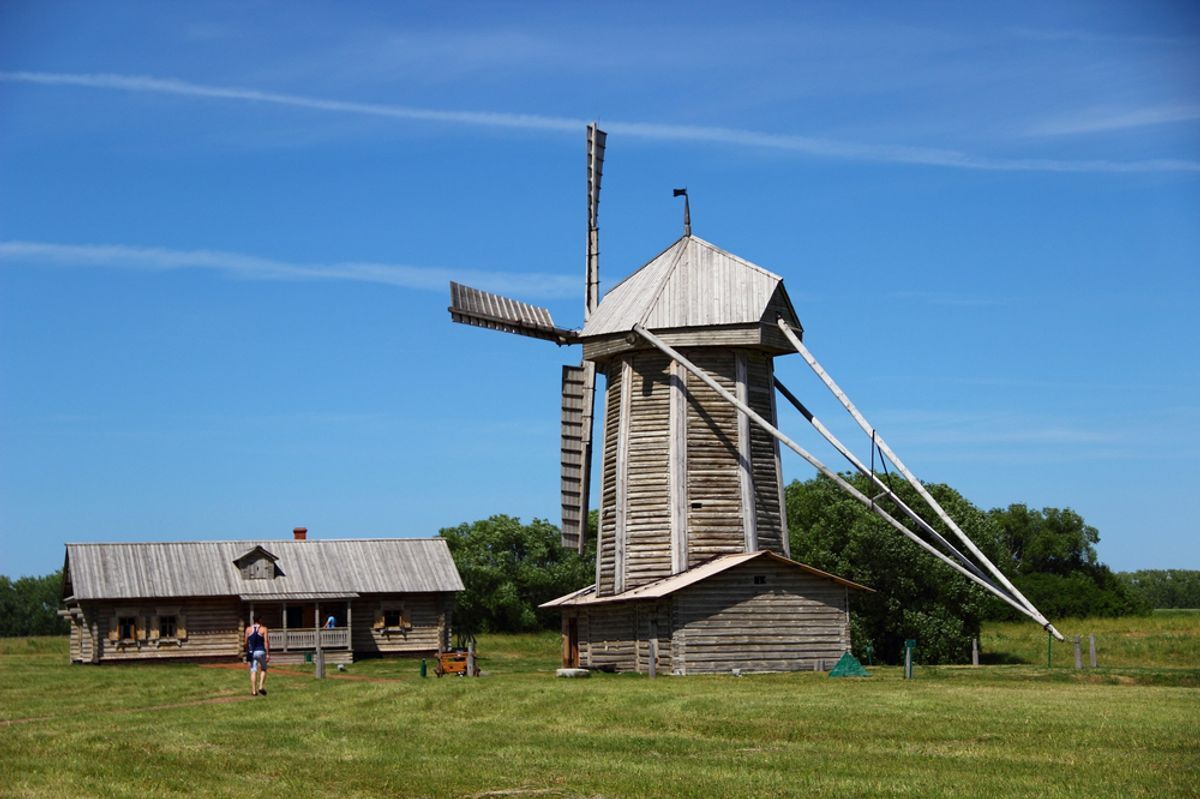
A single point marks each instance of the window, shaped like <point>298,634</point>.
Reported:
<point>167,627</point>
<point>760,579</point>
<point>393,618</point>
<point>127,625</point>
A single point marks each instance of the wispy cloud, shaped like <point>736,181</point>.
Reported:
<point>803,145</point>
<point>1101,120</point>
<point>251,267</point>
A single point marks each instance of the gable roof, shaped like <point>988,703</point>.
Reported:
<point>669,585</point>
<point>692,283</point>
<point>207,568</point>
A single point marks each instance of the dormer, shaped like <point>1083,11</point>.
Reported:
<point>257,564</point>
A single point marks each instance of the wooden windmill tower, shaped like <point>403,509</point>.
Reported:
<point>692,570</point>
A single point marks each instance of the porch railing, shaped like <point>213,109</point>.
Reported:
<point>337,638</point>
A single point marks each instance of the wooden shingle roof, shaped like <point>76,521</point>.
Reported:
<point>690,284</point>
<point>207,568</point>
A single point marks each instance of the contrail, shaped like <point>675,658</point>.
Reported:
<point>251,267</point>
<point>805,145</point>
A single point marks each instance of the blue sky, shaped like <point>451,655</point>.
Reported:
<point>226,231</point>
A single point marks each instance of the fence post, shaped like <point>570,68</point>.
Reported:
<point>1092,648</point>
<point>471,659</point>
<point>909,645</point>
<point>974,651</point>
<point>1078,654</point>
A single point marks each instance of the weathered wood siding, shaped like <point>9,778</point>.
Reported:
<point>793,621</point>
<point>764,449</point>
<point>653,623</point>
<point>648,493</point>
<point>713,490</point>
<point>606,534</point>
<point>611,633</point>
<point>428,615</point>
<point>213,626</point>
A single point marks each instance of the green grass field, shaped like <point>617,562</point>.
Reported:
<point>1131,728</point>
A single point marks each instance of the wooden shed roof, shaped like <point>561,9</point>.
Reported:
<point>340,567</point>
<point>690,284</point>
<point>669,585</point>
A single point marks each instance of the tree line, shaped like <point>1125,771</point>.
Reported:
<point>509,568</point>
<point>29,605</point>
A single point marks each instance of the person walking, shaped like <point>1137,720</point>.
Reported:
<point>258,652</point>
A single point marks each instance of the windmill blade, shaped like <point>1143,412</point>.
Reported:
<point>470,306</point>
<point>578,396</point>
<point>579,382</point>
<point>595,162</point>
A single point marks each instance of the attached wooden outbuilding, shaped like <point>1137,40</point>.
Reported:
<point>193,600</point>
<point>755,611</point>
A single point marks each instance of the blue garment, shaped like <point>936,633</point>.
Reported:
<point>255,641</point>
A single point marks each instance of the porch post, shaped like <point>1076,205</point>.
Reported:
<point>285,635</point>
<point>349,628</point>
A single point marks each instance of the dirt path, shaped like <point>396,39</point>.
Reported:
<point>286,672</point>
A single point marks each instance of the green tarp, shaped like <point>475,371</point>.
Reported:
<point>848,666</point>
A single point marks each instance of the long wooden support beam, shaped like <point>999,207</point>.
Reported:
<point>1030,610</point>
<point>874,478</point>
<point>825,470</point>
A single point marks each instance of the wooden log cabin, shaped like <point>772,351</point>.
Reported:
<point>192,600</point>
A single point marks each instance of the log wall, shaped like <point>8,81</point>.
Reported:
<point>792,621</point>
<point>428,617</point>
<point>213,628</point>
<point>648,488</point>
<point>606,532</point>
<point>714,488</point>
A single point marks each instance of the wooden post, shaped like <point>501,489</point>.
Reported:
<point>1049,650</point>
<point>349,630</point>
<point>285,635</point>
<point>974,651</point>
<point>1078,654</point>
<point>1092,648</point>
<point>319,659</point>
<point>652,649</point>
<point>471,659</point>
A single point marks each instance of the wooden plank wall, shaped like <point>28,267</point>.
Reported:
<point>714,492</point>
<point>214,629</point>
<point>611,636</point>
<point>429,615</point>
<point>653,617</point>
<point>648,490</point>
<point>764,454</point>
<point>792,622</point>
<point>606,543</point>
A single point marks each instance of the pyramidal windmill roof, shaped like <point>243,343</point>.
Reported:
<point>690,284</point>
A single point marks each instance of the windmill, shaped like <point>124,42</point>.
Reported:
<point>693,568</point>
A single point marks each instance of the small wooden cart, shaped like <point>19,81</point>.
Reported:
<point>454,662</point>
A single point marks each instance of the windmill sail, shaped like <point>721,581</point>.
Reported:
<point>470,306</point>
<point>595,159</point>
<point>578,383</point>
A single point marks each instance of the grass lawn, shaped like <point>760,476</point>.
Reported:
<point>1129,729</point>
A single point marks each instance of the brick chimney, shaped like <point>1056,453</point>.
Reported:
<point>300,534</point>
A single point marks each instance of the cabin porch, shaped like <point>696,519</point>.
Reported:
<point>297,624</point>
